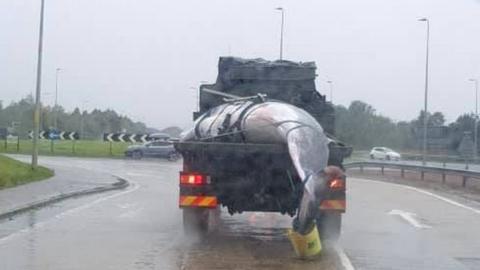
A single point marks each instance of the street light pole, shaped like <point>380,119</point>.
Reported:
<point>475,131</point>
<point>36,114</point>
<point>331,90</point>
<point>425,117</point>
<point>281,31</point>
<point>56,98</point>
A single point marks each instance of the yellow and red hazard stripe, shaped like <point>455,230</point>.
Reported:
<point>198,201</point>
<point>333,205</point>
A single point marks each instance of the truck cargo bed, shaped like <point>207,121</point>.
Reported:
<point>227,147</point>
<point>245,176</point>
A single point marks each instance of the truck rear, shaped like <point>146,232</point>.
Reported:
<point>248,177</point>
<point>231,171</point>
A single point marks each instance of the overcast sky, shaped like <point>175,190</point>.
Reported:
<point>141,57</point>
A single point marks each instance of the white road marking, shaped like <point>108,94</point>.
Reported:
<point>410,218</point>
<point>66,213</point>
<point>449,201</point>
<point>344,260</point>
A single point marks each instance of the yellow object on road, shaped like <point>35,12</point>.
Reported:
<point>307,245</point>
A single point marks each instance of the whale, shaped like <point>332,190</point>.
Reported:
<point>260,120</point>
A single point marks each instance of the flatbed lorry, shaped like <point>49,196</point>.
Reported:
<point>230,162</point>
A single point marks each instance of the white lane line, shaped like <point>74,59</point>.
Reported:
<point>66,213</point>
<point>344,260</point>
<point>88,205</point>
<point>410,218</point>
<point>449,201</point>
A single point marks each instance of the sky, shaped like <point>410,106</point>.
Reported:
<point>145,58</point>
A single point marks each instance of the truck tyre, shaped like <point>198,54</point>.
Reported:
<point>329,226</point>
<point>195,221</point>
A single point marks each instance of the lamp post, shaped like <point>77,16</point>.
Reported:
<point>425,117</point>
<point>281,31</point>
<point>36,114</point>
<point>475,131</point>
<point>55,124</point>
<point>331,90</point>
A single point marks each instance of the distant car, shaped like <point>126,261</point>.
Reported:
<point>384,153</point>
<point>159,136</point>
<point>161,149</point>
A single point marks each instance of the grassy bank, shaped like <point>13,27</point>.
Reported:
<point>13,172</point>
<point>82,148</point>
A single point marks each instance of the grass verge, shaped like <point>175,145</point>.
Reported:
<point>13,172</point>
<point>80,148</point>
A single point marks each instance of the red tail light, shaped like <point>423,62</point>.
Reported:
<point>337,184</point>
<point>195,179</point>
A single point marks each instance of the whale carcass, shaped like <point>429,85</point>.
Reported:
<point>258,120</point>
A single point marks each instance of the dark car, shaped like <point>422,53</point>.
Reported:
<point>161,149</point>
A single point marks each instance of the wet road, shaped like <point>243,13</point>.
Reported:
<point>386,227</point>
<point>140,228</point>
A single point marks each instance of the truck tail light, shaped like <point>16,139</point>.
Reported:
<point>337,184</point>
<point>194,179</point>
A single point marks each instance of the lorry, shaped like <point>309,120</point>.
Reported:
<point>235,158</point>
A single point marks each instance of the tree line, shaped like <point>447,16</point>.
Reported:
<point>360,126</point>
<point>18,117</point>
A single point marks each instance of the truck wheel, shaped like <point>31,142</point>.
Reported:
<point>329,226</point>
<point>195,221</point>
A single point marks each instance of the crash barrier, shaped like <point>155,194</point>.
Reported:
<point>465,175</point>
<point>443,159</point>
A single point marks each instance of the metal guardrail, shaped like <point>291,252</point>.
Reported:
<point>465,174</point>
<point>444,159</point>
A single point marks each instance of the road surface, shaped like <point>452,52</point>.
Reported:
<point>386,227</point>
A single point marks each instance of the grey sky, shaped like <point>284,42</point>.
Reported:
<point>142,57</point>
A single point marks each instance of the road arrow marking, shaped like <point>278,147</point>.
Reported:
<point>410,218</point>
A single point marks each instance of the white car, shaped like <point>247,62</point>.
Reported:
<point>384,153</point>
